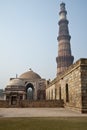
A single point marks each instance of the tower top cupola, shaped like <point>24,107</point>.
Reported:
<point>62,7</point>
<point>63,11</point>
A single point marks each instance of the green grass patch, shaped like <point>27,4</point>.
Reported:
<point>43,123</point>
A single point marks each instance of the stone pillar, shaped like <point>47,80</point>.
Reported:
<point>24,96</point>
<point>4,96</point>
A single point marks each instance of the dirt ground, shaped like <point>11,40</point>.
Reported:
<point>39,112</point>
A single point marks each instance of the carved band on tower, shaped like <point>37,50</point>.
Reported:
<point>65,58</point>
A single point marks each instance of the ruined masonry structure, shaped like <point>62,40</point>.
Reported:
<point>64,59</point>
<point>68,89</point>
<point>70,85</point>
<point>28,86</point>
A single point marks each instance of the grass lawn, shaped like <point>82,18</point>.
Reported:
<point>62,123</point>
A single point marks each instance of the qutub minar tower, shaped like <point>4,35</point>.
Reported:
<point>65,58</point>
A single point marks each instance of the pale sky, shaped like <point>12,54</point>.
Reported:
<point>28,35</point>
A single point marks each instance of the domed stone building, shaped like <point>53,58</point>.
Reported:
<point>28,86</point>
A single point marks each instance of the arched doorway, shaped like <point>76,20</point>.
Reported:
<point>60,93</point>
<point>67,93</point>
<point>29,91</point>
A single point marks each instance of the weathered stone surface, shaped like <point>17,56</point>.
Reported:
<point>71,86</point>
<point>36,104</point>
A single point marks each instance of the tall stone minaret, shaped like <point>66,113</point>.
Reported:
<point>65,58</point>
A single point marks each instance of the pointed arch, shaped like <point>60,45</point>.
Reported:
<point>29,91</point>
<point>67,93</point>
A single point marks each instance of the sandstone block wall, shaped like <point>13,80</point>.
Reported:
<point>51,93</point>
<point>42,103</point>
<point>71,86</point>
<point>84,85</point>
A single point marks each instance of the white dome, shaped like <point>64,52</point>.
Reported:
<point>15,82</point>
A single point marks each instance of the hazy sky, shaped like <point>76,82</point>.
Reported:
<point>28,35</point>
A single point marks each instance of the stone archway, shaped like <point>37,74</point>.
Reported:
<point>67,93</point>
<point>13,100</point>
<point>29,91</point>
<point>60,92</point>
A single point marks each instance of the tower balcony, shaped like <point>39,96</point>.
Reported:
<point>61,37</point>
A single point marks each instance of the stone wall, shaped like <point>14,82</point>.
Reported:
<point>3,104</point>
<point>36,104</point>
<point>42,103</point>
<point>84,85</point>
<point>51,92</point>
<point>71,86</point>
